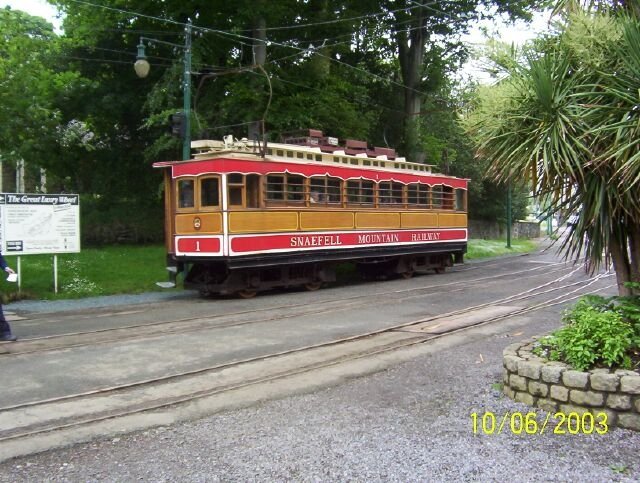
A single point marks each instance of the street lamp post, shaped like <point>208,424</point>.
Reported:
<point>142,68</point>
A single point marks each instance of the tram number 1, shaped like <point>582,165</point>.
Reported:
<point>197,245</point>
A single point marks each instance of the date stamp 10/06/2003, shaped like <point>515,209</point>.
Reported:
<point>531,423</point>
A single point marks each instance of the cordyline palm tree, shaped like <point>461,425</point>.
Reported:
<point>568,118</point>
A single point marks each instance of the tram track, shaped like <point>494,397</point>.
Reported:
<point>75,410</point>
<point>198,323</point>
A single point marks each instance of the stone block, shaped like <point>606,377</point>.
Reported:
<point>547,405</point>
<point>569,408</point>
<point>518,382</point>
<point>530,369</point>
<point>619,401</point>
<point>586,398</point>
<point>505,377</point>
<point>538,388</point>
<point>526,398</point>
<point>552,373</point>
<point>636,404</point>
<point>629,421</point>
<point>511,363</point>
<point>512,349</point>
<point>559,393</point>
<point>625,372</point>
<point>575,379</point>
<point>630,384</point>
<point>601,381</point>
<point>510,393</point>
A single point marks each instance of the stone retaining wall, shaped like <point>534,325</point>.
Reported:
<point>556,387</point>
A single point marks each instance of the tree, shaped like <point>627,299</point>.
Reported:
<point>31,86</point>
<point>566,118</point>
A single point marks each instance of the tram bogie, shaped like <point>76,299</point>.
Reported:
<point>242,221</point>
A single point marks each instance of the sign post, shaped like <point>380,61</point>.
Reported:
<point>39,223</point>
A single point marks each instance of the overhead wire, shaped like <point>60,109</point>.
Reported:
<point>252,39</point>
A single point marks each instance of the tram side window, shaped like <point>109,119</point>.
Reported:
<point>390,193</point>
<point>360,192</point>
<point>275,188</point>
<point>325,190</point>
<point>436,196</point>
<point>185,193</point>
<point>283,188</point>
<point>235,189</point>
<point>210,192</point>
<point>460,200</point>
<point>418,194</point>
<point>295,189</point>
<point>447,198</point>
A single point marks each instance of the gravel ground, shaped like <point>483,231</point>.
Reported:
<point>408,423</point>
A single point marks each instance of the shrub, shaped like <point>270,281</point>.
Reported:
<point>598,331</point>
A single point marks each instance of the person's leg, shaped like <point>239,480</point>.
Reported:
<point>5,328</point>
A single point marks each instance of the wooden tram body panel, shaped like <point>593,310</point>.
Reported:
<point>249,213</point>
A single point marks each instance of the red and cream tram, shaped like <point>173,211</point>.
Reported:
<point>238,220</point>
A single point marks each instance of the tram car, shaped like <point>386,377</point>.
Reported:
<point>242,217</point>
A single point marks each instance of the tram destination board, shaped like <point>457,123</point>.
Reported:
<point>33,223</point>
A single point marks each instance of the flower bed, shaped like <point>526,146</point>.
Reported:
<point>556,387</point>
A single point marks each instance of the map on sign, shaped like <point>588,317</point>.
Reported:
<point>39,223</point>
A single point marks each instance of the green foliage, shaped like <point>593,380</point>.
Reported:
<point>493,248</point>
<point>597,331</point>
<point>565,118</point>
<point>94,271</point>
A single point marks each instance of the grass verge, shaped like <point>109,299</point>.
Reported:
<point>135,269</point>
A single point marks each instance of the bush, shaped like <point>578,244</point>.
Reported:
<point>598,331</point>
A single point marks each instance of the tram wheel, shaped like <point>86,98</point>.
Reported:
<point>407,275</point>
<point>440,270</point>
<point>246,293</point>
<point>312,286</point>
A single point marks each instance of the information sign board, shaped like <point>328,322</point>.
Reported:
<point>32,223</point>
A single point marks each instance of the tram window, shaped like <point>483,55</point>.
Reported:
<point>275,188</point>
<point>235,189</point>
<point>300,155</point>
<point>253,190</point>
<point>325,190</point>
<point>210,192</point>
<point>437,196</point>
<point>318,157</point>
<point>280,152</point>
<point>460,200</point>
<point>360,192</point>
<point>447,198</point>
<point>390,193</point>
<point>295,188</point>
<point>334,190</point>
<point>310,157</point>
<point>418,194</point>
<point>185,193</point>
<point>318,190</point>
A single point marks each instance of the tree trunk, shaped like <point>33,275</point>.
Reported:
<point>411,56</point>
<point>634,254</point>
<point>618,251</point>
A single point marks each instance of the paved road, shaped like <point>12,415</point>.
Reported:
<point>408,420</point>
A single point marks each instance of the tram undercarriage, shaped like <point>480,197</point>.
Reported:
<point>247,279</point>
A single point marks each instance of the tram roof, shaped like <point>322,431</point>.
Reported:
<point>243,157</point>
